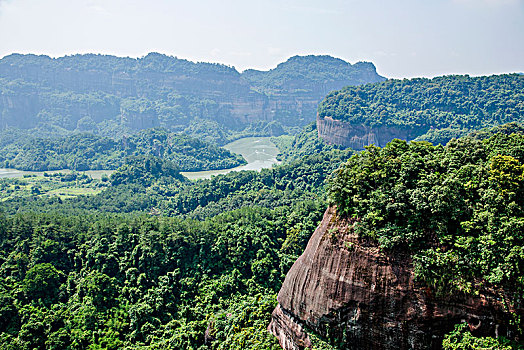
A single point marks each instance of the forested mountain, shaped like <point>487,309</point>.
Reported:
<point>422,247</point>
<point>114,95</point>
<point>153,261</point>
<point>419,198</point>
<point>306,74</point>
<point>434,110</point>
<point>79,273</point>
<point>146,259</point>
<point>22,150</point>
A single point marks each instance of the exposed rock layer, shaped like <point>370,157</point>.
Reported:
<point>353,294</point>
<point>357,136</point>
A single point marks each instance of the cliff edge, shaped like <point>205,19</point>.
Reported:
<point>357,136</point>
<point>356,296</point>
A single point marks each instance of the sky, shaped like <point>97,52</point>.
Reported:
<point>403,38</point>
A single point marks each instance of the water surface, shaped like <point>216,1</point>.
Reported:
<point>259,152</point>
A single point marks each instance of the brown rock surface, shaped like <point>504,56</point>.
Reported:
<point>357,136</point>
<point>352,293</point>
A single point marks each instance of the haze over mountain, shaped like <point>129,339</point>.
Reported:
<point>407,38</point>
<point>106,243</point>
<point>112,95</point>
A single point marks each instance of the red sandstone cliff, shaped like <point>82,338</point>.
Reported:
<point>352,293</point>
<point>357,136</point>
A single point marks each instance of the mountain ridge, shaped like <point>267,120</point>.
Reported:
<point>121,95</point>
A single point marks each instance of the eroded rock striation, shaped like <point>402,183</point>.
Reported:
<point>350,292</point>
<point>357,136</point>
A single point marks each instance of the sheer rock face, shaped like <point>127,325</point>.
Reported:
<point>357,136</point>
<point>352,293</point>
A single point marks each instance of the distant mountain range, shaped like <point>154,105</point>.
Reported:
<point>113,95</point>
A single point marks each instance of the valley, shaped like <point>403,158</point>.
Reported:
<point>259,152</point>
<point>314,205</point>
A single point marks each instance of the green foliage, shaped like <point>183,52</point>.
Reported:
<point>436,110</point>
<point>206,277</point>
<point>305,143</point>
<point>152,281</point>
<point>457,209</point>
<point>58,184</point>
<point>461,339</point>
<point>198,264</point>
<point>88,151</point>
<point>284,185</point>
<point>137,186</point>
<point>41,282</point>
<point>144,169</point>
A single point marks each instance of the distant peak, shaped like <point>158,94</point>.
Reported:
<point>157,55</point>
<point>314,58</point>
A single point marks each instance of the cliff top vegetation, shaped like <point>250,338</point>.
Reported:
<point>439,109</point>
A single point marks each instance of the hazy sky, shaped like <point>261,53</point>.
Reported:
<point>404,38</point>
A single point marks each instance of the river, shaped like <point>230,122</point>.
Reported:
<point>259,152</point>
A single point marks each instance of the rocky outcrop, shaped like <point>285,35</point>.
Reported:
<point>354,295</point>
<point>358,136</point>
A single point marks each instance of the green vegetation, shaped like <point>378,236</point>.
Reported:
<point>138,187</point>
<point>150,283</point>
<point>75,276</point>
<point>305,74</point>
<point>304,143</point>
<point>438,109</point>
<point>150,260</point>
<point>87,151</point>
<point>61,185</point>
<point>461,339</point>
<point>183,267</point>
<point>146,259</point>
<point>457,209</point>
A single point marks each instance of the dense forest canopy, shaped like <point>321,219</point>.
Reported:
<point>437,109</point>
<point>457,208</point>
<point>80,273</point>
<point>84,151</point>
<point>150,260</point>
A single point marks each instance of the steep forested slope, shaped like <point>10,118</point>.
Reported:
<point>431,109</point>
<point>421,248</point>
<point>467,196</point>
